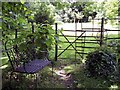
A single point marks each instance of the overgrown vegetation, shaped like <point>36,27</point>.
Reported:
<point>17,18</point>
<point>101,63</point>
<point>28,28</point>
<point>43,14</point>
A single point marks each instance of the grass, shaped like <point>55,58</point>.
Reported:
<point>47,81</point>
<point>71,53</point>
<point>81,80</point>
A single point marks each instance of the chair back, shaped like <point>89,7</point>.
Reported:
<point>13,56</point>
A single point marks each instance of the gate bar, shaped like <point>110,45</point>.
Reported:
<point>71,43</point>
<point>56,46</point>
<point>102,32</point>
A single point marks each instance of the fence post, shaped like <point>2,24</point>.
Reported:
<point>102,32</point>
<point>56,46</point>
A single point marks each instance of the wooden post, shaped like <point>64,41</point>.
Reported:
<point>102,32</point>
<point>56,46</point>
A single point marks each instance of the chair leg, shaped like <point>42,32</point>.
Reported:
<point>10,85</point>
<point>52,69</point>
<point>39,79</point>
<point>35,80</point>
<point>11,76</point>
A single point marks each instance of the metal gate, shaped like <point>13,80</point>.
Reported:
<point>76,43</point>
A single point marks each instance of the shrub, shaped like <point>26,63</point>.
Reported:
<point>101,63</point>
<point>44,15</point>
<point>114,45</point>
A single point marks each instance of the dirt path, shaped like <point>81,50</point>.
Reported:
<point>65,78</point>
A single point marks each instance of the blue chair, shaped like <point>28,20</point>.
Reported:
<point>25,66</point>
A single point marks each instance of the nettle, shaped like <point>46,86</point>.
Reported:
<point>101,63</point>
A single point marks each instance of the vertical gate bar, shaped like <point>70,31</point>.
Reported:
<point>119,18</point>
<point>33,38</point>
<point>75,38</point>
<point>32,27</point>
<point>32,31</point>
<point>102,32</point>
<point>84,46</point>
<point>118,34</point>
<point>15,33</point>
<point>56,46</point>
<point>92,26</point>
<point>82,49</point>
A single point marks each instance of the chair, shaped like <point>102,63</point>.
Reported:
<point>24,65</point>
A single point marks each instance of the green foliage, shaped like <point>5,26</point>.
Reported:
<point>13,14</point>
<point>17,25</point>
<point>80,11</point>
<point>112,9</point>
<point>41,40</point>
<point>114,44</point>
<point>59,4</point>
<point>101,63</point>
<point>108,9</point>
<point>115,47</point>
<point>42,13</point>
<point>44,36</point>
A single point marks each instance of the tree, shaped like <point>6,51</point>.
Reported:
<point>60,5</point>
<point>42,12</point>
<point>81,11</point>
<point>108,9</point>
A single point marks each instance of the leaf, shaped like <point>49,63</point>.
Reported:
<point>25,8</point>
<point>22,1</point>
<point>31,17</point>
<point>22,46</point>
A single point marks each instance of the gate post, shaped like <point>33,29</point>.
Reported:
<point>56,46</point>
<point>102,32</point>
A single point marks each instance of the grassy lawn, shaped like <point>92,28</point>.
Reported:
<point>68,53</point>
<point>82,81</point>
